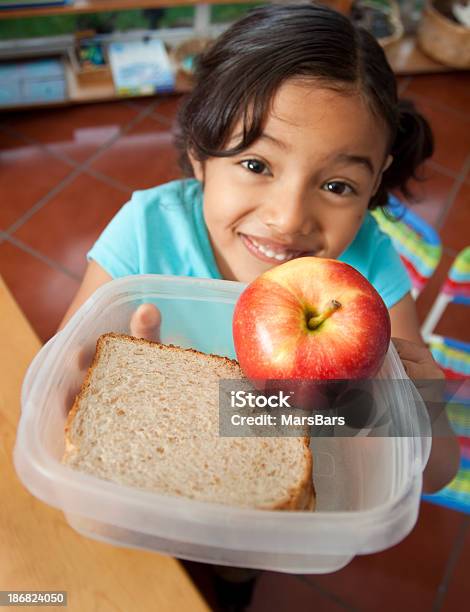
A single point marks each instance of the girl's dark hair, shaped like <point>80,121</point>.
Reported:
<point>237,77</point>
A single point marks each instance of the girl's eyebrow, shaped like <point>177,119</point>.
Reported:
<point>349,158</point>
<point>277,142</point>
<point>355,159</point>
<point>361,160</point>
<point>264,136</point>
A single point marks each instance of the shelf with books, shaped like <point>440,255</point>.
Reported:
<point>93,85</point>
<point>96,6</point>
<point>130,68</point>
<point>123,68</point>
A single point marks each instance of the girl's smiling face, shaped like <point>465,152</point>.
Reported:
<point>303,188</point>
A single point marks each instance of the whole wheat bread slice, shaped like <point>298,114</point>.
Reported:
<point>147,416</point>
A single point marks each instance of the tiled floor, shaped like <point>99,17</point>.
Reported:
<point>65,172</point>
<point>425,572</point>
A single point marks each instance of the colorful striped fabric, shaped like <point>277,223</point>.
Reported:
<point>417,243</point>
<point>459,416</point>
<point>456,495</point>
<point>454,357</point>
<point>458,281</point>
<point>456,289</point>
<point>420,249</point>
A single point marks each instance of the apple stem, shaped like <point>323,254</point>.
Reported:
<point>317,320</point>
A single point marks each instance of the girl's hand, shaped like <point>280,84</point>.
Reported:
<point>444,459</point>
<point>146,322</point>
<point>417,360</point>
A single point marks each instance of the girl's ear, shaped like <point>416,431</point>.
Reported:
<point>387,164</point>
<point>198,167</point>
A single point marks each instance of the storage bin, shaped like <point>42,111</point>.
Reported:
<point>368,488</point>
<point>32,82</point>
<point>443,39</point>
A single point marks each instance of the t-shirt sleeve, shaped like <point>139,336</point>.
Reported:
<point>387,272</point>
<point>116,250</point>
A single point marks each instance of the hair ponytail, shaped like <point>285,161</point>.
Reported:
<point>413,144</point>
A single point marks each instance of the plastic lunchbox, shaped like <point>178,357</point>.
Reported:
<point>368,488</point>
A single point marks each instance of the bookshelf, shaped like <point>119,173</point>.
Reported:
<point>404,55</point>
<point>97,6</point>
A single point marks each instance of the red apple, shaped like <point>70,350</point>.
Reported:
<point>311,319</point>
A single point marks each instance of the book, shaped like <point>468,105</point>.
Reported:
<point>141,67</point>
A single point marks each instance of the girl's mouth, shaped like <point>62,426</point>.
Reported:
<point>274,254</point>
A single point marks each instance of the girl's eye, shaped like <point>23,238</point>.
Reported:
<point>338,188</point>
<point>254,165</point>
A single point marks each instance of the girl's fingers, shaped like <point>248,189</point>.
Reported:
<point>85,357</point>
<point>411,350</point>
<point>417,360</point>
<point>82,358</point>
<point>77,366</point>
<point>145,322</point>
<point>412,371</point>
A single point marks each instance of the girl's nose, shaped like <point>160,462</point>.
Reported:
<point>290,212</point>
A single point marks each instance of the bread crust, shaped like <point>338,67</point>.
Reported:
<point>300,497</point>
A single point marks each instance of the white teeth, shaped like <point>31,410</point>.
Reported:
<point>270,253</point>
<point>265,250</point>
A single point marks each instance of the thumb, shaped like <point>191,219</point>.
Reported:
<point>146,322</point>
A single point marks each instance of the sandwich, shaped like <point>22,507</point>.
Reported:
<point>147,416</point>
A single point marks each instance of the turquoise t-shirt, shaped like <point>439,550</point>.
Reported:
<point>162,231</point>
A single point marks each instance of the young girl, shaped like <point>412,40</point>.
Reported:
<point>292,135</point>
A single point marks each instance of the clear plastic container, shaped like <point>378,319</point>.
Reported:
<point>368,488</point>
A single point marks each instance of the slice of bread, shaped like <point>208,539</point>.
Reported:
<point>148,416</point>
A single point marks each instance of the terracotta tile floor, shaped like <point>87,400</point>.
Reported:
<point>65,172</point>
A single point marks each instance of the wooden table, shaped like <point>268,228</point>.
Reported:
<point>38,549</point>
